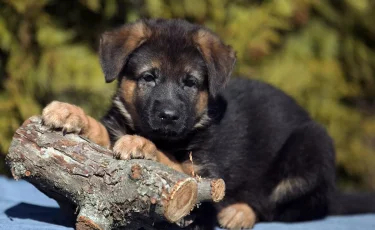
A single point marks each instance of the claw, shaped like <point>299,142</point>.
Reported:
<point>64,131</point>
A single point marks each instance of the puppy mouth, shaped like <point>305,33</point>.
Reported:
<point>169,132</point>
<point>165,132</point>
<point>166,128</point>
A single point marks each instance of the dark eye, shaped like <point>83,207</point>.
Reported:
<point>148,77</point>
<point>190,82</point>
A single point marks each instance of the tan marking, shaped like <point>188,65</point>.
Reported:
<point>143,68</point>
<point>202,103</point>
<point>73,119</point>
<point>286,187</point>
<point>169,160</point>
<point>127,91</point>
<point>237,216</point>
<point>96,132</point>
<point>148,66</point>
<point>195,73</point>
<point>201,109</point>
<point>155,63</point>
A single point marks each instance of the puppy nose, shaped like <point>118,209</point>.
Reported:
<point>168,115</point>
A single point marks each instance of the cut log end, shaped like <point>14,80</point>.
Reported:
<point>84,223</point>
<point>217,190</point>
<point>182,200</point>
<point>90,219</point>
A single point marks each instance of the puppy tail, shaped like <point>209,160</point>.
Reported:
<point>352,203</point>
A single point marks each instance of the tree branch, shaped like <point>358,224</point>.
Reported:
<point>107,193</point>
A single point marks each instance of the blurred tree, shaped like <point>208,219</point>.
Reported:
<point>48,52</point>
<point>320,52</point>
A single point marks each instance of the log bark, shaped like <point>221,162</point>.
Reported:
<point>105,193</point>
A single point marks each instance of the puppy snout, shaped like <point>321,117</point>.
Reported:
<point>168,115</point>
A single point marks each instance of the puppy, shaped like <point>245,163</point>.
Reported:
<point>175,97</point>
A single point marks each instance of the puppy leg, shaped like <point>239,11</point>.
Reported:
<point>137,147</point>
<point>72,119</point>
<point>302,175</point>
<point>237,216</point>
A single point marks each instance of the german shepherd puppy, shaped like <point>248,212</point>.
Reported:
<point>278,164</point>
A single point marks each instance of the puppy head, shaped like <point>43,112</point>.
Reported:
<point>167,70</point>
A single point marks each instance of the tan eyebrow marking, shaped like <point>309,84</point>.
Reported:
<point>143,69</point>
<point>195,74</point>
<point>154,63</point>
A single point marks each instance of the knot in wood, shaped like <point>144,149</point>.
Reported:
<point>136,172</point>
<point>27,173</point>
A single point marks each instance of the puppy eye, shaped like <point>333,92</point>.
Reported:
<point>190,82</point>
<point>148,77</point>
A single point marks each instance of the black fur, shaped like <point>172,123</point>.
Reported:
<point>256,137</point>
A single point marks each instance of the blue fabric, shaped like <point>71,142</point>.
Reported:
<point>23,207</point>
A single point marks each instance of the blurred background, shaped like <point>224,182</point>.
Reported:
<point>322,52</point>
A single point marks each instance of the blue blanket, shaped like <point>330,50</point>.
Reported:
<point>23,207</point>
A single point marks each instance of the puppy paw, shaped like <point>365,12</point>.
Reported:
<point>134,147</point>
<point>237,216</point>
<point>60,115</point>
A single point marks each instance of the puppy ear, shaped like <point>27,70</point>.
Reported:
<point>219,58</point>
<point>116,46</point>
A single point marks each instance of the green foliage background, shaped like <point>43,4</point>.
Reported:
<point>320,52</point>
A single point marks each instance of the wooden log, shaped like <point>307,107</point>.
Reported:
<point>105,192</point>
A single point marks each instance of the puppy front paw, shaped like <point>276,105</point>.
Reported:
<point>237,216</point>
<point>60,115</point>
<point>134,147</point>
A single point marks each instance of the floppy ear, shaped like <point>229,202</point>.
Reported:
<point>219,58</point>
<point>116,46</point>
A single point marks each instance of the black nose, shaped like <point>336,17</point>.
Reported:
<point>168,115</point>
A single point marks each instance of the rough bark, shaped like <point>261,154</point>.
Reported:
<point>105,193</point>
